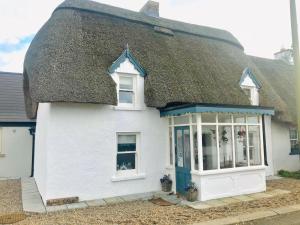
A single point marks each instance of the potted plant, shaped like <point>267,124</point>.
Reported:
<point>191,192</point>
<point>166,183</point>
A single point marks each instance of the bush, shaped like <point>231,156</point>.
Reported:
<point>285,173</point>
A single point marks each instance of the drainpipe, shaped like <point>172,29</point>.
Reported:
<point>32,133</point>
<point>264,140</point>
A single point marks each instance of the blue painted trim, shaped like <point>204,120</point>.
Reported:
<point>126,54</point>
<point>17,124</point>
<point>248,72</point>
<point>200,108</point>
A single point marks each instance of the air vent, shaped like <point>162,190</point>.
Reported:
<point>163,30</point>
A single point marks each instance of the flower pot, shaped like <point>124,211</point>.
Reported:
<point>166,186</point>
<point>192,195</point>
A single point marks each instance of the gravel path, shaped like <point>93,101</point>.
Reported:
<point>10,196</point>
<point>144,212</point>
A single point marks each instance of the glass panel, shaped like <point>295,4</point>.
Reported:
<point>208,117</point>
<point>252,119</point>
<point>126,161</point>
<point>194,118</point>
<point>240,140</point>
<point>254,145</point>
<point>126,143</point>
<point>293,134</point>
<point>187,148</point>
<point>179,148</point>
<point>225,147</point>
<point>126,97</point>
<point>171,146</point>
<point>209,144</point>
<point>126,83</point>
<point>181,120</point>
<point>237,118</point>
<point>195,143</point>
<point>294,144</point>
<point>224,118</point>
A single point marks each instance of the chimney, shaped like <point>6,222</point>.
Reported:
<point>151,8</point>
<point>285,55</point>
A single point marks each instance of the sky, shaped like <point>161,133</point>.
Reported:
<point>262,26</point>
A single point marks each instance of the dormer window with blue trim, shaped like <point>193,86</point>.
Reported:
<point>129,77</point>
<point>250,86</point>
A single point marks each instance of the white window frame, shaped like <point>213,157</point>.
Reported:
<point>199,124</point>
<point>293,139</point>
<point>132,172</point>
<point>133,90</point>
<point>1,142</point>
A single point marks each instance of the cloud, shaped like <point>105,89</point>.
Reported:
<point>15,45</point>
<point>13,61</point>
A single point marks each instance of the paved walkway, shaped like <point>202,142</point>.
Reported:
<point>32,201</point>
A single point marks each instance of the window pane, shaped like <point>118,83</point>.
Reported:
<point>224,118</point>
<point>293,134</point>
<point>240,141</point>
<point>179,148</point>
<point>195,142</point>
<point>208,117</point>
<point>209,144</point>
<point>170,146</point>
<point>294,144</point>
<point>252,119</point>
<point>237,118</point>
<point>126,143</point>
<point>181,120</point>
<point>225,143</point>
<point>126,161</point>
<point>254,145</point>
<point>194,118</point>
<point>126,97</point>
<point>126,83</point>
<point>170,121</point>
<point>187,148</point>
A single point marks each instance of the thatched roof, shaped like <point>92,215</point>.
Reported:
<point>69,58</point>
<point>282,78</point>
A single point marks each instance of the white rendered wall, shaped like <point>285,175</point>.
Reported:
<point>16,148</point>
<point>81,145</point>
<point>227,184</point>
<point>282,148</point>
<point>41,147</point>
<point>269,147</point>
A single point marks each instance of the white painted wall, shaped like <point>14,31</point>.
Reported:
<point>227,184</point>
<point>282,148</point>
<point>15,155</point>
<point>269,147</point>
<point>248,83</point>
<point>81,145</point>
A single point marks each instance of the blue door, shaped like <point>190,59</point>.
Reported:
<point>182,158</point>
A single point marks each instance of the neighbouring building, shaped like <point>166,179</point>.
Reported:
<point>122,98</point>
<point>16,130</point>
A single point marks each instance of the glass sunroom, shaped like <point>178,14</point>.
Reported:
<point>221,149</point>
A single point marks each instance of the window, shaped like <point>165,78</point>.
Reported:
<point>209,146</point>
<point>126,90</point>
<point>127,152</point>
<point>294,141</point>
<point>170,147</point>
<point>195,146</point>
<point>1,141</point>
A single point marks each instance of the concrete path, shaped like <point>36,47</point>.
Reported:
<point>31,199</point>
<point>258,218</point>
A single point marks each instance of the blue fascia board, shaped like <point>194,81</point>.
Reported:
<point>180,110</point>
<point>248,72</point>
<point>126,54</point>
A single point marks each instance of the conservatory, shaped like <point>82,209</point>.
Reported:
<point>220,149</point>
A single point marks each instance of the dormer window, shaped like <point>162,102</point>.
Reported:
<point>129,77</point>
<point>250,86</point>
<point>126,90</point>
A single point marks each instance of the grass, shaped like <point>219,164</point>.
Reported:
<point>285,173</point>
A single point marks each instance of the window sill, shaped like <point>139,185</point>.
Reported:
<point>230,170</point>
<point>131,177</point>
<point>294,153</point>
<point>123,108</point>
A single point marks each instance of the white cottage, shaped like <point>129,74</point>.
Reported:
<point>122,98</point>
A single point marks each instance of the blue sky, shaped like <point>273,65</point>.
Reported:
<point>262,26</point>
